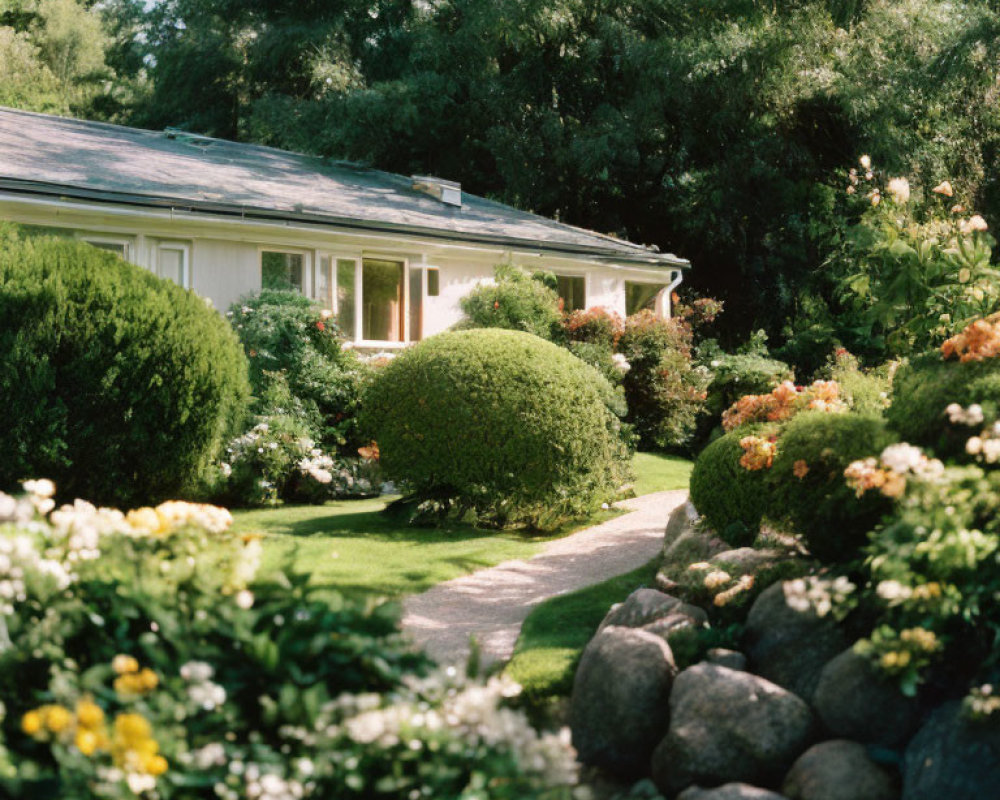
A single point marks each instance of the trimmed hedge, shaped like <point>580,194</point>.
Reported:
<point>923,388</point>
<point>733,500</point>
<point>808,485</point>
<point>499,422</point>
<point>118,385</point>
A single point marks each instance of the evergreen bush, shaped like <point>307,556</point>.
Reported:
<point>808,485</point>
<point>498,422</point>
<point>118,385</point>
<point>517,301</point>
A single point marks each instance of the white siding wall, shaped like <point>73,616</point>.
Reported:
<point>224,271</point>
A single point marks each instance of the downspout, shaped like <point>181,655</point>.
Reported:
<point>668,292</point>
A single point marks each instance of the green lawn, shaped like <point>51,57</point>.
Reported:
<point>350,545</point>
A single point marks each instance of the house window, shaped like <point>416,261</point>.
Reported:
<point>322,285</point>
<point>572,291</point>
<point>172,262</point>
<point>433,282</point>
<point>282,270</point>
<point>120,247</point>
<point>346,297</point>
<point>382,295</point>
<point>641,296</point>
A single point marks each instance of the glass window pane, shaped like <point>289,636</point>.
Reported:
<point>416,305</point>
<point>118,248</point>
<point>345,297</point>
<point>281,270</point>
<point>322,281</point>
<point>571,290</point>
<point>382,301</point>
<point>172,264</point>
<point>640,296</point>
<point>433,282</point>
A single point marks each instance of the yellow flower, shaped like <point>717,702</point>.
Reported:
<point>156,765</point>
<point>86,742</point>
<point>31,723</point>
<point>144,519</point>
<point>57,719</point>
<point>123,664</point>
<point>89,714</point>
<point>889,660</point>
<point>132,728</point>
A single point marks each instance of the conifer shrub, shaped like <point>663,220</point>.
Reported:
<point>732,498</point>
<point>808,484</point>
<point>118,385</point>
<point>499,423</point>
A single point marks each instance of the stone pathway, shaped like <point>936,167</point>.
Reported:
<point>493,603</point>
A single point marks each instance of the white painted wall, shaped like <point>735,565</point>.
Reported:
<point>225,253</point>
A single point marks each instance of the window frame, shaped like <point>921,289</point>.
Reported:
<point>168,244</point>
<point>307,264</point>
<point>586,285</point>
<point>359,259</point>
<point>127,243</point>
<point>658,303</point>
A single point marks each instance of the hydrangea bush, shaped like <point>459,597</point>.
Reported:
<point>142,655</point>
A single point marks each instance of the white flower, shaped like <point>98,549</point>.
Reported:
<point>197,671</point>
<point>244,599</point>
<point>865,162</point>
<point>899,188</point>
<point>42,487</point>
<point>621,363</point>
<point>902,457</point>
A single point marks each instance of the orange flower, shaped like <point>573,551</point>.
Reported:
<point>978,341</point>
<point>800,469</point>
<point>943,188</point>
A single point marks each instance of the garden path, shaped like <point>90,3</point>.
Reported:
<point>491,604</point>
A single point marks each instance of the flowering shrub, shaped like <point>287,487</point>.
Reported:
<point>808,487</point>
<point>782,403</point>
<point>980,340</point>
<point>664,390</point>
<point>593,325</point>
<point>917,277</point>
<point>758,452</point>
<point>731,497</point>
<point>120,384</point>
<point>865,391</point>
<point>298,366</point>
<point>142,655</point>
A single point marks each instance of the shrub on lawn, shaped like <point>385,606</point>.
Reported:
<point>664,390</point>
<point>498,422</point>
<point>927,385</point>
<point>730,496</point>
<point>144,655</point>
<point>808,485</point>
<point>288,339</point>
<point>118,384</point>
<point>517,301</point>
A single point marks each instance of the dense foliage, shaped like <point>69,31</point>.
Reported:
<point>808,486</point>
<point>143,654</point>
<point>732,498</point>
<point>119,384</point>
<point>516,301</point>
<point>498,422</point>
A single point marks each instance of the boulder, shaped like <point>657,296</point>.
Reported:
<point>789,646</point>
<point>747,560</point>
<point>645,606</point>
<point>726,726</point>
<point>838,770</point>
<point>857,702</point>
<point>952,758</point>
<point>672,623</point>
<point>727,658</point>
<point>731,791</point>
<point>620,703</point>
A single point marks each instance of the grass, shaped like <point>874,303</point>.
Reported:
<point>350,545</point>
<point>554,634</point>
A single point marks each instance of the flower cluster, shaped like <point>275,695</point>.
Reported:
<point>716,578</point>
<point>758,453</point>
<point>821,595</point>
<point>981,702</point>
<point>596,325</point>
<point>783,402</point>
<point>888,474</point>
<point>175,515</point>
<point>902,653</point>
<point>132,681</point>
<point>201,690</point>
<point>979,341</point>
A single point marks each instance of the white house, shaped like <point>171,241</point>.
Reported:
<point>390,255</point>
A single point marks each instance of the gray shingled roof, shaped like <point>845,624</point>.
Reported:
<point>42,154</point>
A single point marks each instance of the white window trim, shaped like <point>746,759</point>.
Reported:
<point>165,244</point>
<point>307,264</point>
<point>127,242</point>
<point>359,259</point>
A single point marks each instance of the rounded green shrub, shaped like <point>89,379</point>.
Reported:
<point>517,301</point>
<point>118,385</point>
<point>925,386</point>
<point>732,499</point>
<point>498,422</point>
<point>808,485</point>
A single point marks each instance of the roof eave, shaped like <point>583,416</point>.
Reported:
<point>640,257</point>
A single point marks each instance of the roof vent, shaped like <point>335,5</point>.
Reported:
<point>447,192</point>
<point>195,139</point>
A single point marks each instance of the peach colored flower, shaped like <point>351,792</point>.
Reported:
<point>943,188</point>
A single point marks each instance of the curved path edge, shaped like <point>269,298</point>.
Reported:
<point>491,604</point>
